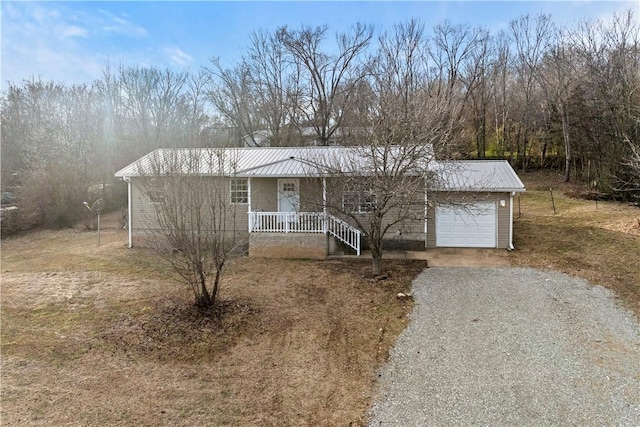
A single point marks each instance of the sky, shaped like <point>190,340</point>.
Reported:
<point>73,42</point>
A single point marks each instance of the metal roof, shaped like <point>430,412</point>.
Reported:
<point>478,175</point>
<point>298,162</point>
<point>204,161</point>
<point>263,161</point>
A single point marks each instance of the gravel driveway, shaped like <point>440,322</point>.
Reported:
<point>511,346</point>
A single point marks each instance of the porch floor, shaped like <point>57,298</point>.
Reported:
<point>447,257</point>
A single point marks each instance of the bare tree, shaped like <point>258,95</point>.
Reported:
<point>194,109</point>
<point>634,163</point>
<point>232,93</point>
<point>399,71</point>
<point>149,116</point>
<point>559,76</point>
<point>410,106</point>
<point>275,85</point>
<point>381,184</point>
<point>606,103</point>
<point>452,48</point>
<point>49,138</point>
<point>499,95</point>
<point>379,188</point>
<point>531,37</point>
<point>193,221</point>
<point>477,83</point>
<point>329,80</point>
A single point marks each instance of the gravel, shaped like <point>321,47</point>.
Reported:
<point>511,346</point>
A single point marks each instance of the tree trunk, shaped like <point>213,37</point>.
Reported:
<point>567,147</point>
<point>482,130</point>
<point>376,267</point>
<point>216,283</point>
<point>518,152</point>
<point>204,299</point>
<point>525,142</point>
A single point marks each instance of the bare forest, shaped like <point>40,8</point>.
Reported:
<point>537,94</point>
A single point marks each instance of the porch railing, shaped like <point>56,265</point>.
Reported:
<point>287,222</point>
<point>305,222</point>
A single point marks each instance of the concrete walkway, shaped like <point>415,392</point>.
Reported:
<point>449,257</point>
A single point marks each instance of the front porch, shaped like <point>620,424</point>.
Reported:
<point>299,234</point>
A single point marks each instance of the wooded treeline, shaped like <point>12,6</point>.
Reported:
<point>535,93</point>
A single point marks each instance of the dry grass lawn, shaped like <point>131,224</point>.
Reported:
<point>104,336</point>
<point>599,242</point>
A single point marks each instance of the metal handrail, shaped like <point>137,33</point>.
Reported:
<point>344,232</point>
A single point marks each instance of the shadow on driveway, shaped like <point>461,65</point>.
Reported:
<point>449,257</point>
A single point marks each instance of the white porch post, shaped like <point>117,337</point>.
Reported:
<point>249,204</point>
<point>324,202</point>
<point>129,221</point>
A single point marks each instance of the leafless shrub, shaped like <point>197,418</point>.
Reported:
<point>194,222</point>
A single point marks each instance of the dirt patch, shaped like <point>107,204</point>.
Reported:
<point>110,339</point>
<point>71,288</point>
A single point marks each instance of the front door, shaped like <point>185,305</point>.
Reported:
<point>288,195</point>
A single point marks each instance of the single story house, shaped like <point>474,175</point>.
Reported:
<point>282,199</point>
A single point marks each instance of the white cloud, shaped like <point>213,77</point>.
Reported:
<point>178,56</point>
<point>72,31</point>
<point>111,23</point>
<point>58,42</point>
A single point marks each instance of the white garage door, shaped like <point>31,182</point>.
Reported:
<point>473,226</point>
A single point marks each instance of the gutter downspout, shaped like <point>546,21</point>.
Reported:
<point>426,213</point>
<point>129,221</point>
<point>511,247</point>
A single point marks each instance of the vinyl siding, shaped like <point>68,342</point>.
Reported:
<point>264,194</point>
<point>410,229</point>
<point>143,210</point>
<point>311,195</point>
<point>144,215</point>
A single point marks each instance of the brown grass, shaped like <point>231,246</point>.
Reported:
<point>103,336</point>
<point>599,242</point>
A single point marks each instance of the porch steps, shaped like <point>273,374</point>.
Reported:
<point>344,232</point>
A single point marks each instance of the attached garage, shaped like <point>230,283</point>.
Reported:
<point>472,207</point>
<point>473,226</point>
